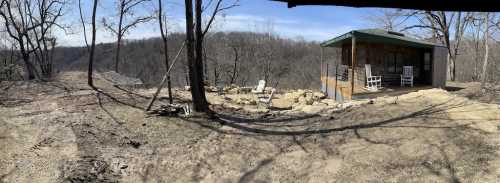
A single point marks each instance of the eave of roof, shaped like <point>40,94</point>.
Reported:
<point>377,35</point>
<point>432,5</point>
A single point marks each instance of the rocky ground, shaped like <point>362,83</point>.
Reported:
<point>62,131</point>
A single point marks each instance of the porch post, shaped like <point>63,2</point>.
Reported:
<point>353,61</point>
<point>321,64</point>
<point>326,80</point>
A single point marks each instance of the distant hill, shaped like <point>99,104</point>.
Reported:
<point>286,63</point>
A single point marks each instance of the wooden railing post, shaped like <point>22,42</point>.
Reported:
<point>353,62</point>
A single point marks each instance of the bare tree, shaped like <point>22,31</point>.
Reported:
<point>125,10</point>
<point>390,20</point>
<point>45,17</point>
<point>92,46</point>
<point>195,52</point>
<point>164,33</point>
<point>15,19</point>
<point>486,49</point>
<point>234,74</point>
<point>440,24</point>
<point>82,21</point>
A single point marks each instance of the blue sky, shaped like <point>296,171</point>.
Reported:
<point>314,23</point>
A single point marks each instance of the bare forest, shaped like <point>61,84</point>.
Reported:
<point>240,58</point>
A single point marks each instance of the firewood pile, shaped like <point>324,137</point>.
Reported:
<point>171,110</point>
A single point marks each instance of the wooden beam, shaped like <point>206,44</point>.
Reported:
<point>353,62</point>
<point>326,80</point>
<point>442,5</point>
<point>321,62</point>
<point>164,80</point>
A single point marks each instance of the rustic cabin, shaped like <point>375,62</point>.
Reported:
<point>374,62</point>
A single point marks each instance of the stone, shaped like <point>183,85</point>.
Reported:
<point>312,109</point>
<point>282,103</point>
<point>210,88</point>
<point>242,100</point>
<point>319,103</point>
<point>319,95</point>
<point>305,100</point>
<point>234,90</point>
<point>329,102</point>
<point>294,96</point>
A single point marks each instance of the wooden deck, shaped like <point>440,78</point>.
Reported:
<point>343,90</point>
<point>361,93</point>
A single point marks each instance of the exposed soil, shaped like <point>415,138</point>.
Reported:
<point>61,131</point>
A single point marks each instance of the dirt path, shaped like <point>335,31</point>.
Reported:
<point>427,136</point>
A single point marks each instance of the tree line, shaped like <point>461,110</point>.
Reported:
<point>240,58</point>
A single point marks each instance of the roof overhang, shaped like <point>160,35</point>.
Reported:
<point>367,37</point>
<point>435,5</point>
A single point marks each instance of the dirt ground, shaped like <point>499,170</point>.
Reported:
<point>63,132</point>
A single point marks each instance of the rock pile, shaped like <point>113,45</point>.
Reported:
<point>297,98</point>
<point>307,101</point>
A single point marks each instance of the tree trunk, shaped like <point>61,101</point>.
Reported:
<point>486,50</point>
<point>165,52</point>
<point>29,67</point>
<point>92,47</point>
<point>119,36</point>
<point>235,70</point>
<point>195,64</point>
<point>117,54</point>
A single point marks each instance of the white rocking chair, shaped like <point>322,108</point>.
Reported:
<point>407,76</point>
<point>260,88</point>
<point>373,83</point>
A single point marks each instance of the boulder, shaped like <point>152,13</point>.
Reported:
<point>329,102</point>
<point>319,95</point>
<point>245,101</point>
<point>319,103</point>
<point>210,88</point>
<point>312,109</point>
<point>234,90</point>
<point>282,103</point>
<point>294,96</point>
<point>306,100</point>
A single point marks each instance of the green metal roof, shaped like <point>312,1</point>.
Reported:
<point>378,36</point>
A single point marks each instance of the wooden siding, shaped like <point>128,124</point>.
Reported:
<point>439,67</point>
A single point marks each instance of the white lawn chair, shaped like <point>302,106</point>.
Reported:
<point>407,76</point>
<point>260,88</point>
<point>267,100</point>
<point>372,82</point>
